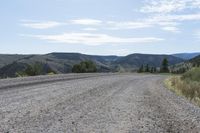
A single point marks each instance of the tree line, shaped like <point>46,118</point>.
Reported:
<point>85,67</point>
<point>147,68</point>
<point>164,68</point>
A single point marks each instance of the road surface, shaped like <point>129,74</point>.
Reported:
<point>94,103</point>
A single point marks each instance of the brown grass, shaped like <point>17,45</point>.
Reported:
<point>188,88</point>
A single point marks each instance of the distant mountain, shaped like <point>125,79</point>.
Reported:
<point>186,65</point>
<point>58,62</point>
<point>6,59</point>
<point>195,61</point>
<point>63,62</point>
<point>70,59</point>
<point>133,61</point>
<point>186,56</point>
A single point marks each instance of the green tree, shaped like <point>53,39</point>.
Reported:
<point>84,67</point>
<point>152,70</point>
<point>155,70</point>
<point>76,68</point>
<point>141,69</point>
<point>91,67</point>
<point>33,70</point>
<point>147,68</point>
<point>164,66</point>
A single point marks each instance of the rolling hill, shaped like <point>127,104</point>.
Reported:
<point>186,65</point>
<point>63,62</point>
<point>58,62</point>
<point>195,61</point>
<point>6,59</point>
<point>133,61</point>
<point>186,56</point>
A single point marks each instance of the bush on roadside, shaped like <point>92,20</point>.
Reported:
<point>35,69</point>
<point>187,85</point>
<point>193,75</point>
<point>84,67</point>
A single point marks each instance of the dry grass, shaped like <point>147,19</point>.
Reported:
<point>188,88</point>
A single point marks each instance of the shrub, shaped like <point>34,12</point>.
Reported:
<point>84,67</point>
<point>187,85</point>
<point>193,75</point>
<point>35,69</point>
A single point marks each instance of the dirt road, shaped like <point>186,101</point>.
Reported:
<point>94,103</point>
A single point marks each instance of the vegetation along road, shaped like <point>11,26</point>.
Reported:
<point>87,103</point>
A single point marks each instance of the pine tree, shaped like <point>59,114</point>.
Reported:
<point>164,66</point>
<point>147,68</point>
<point>152,70</point>
<point>141,69</point>
<point>155,70</point>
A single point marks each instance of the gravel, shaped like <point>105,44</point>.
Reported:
<point>94,103</point>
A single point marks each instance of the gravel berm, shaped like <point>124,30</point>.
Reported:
<point>94,103</point>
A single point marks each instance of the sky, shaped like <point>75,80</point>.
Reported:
<point>99,27</point>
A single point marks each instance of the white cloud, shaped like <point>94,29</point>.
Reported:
<point>168,14</point>
<point>184,17</point>
<point>169,6</point>
<point>93,39</point>
<point>171,29</point>
<point>41,25</point>
<point>169,22</point>
<point>127,25</point>
<point>110,25</point>
<point>90,29</point>
<point>92,22</point>
<point>161,20</point>
<point>173,20</point>
<point>166,22</point>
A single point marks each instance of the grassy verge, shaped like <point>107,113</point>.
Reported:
<point>187,85</point>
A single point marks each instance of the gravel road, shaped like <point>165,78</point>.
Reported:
<point>94,103</point>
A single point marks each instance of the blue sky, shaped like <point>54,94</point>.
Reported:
<point>100,27</point>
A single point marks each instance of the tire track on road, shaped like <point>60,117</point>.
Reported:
<point>125,103</point>
<point>44,81</point>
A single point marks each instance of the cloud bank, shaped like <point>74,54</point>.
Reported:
<point>92,39</point>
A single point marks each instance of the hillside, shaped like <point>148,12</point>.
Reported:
<point>6,59</point>
<point>195,61</point>
<point>133,61</point>
<point>63,62</point>
<point>57,62</point>
<point>186,65</point>
<point>186,56</point>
